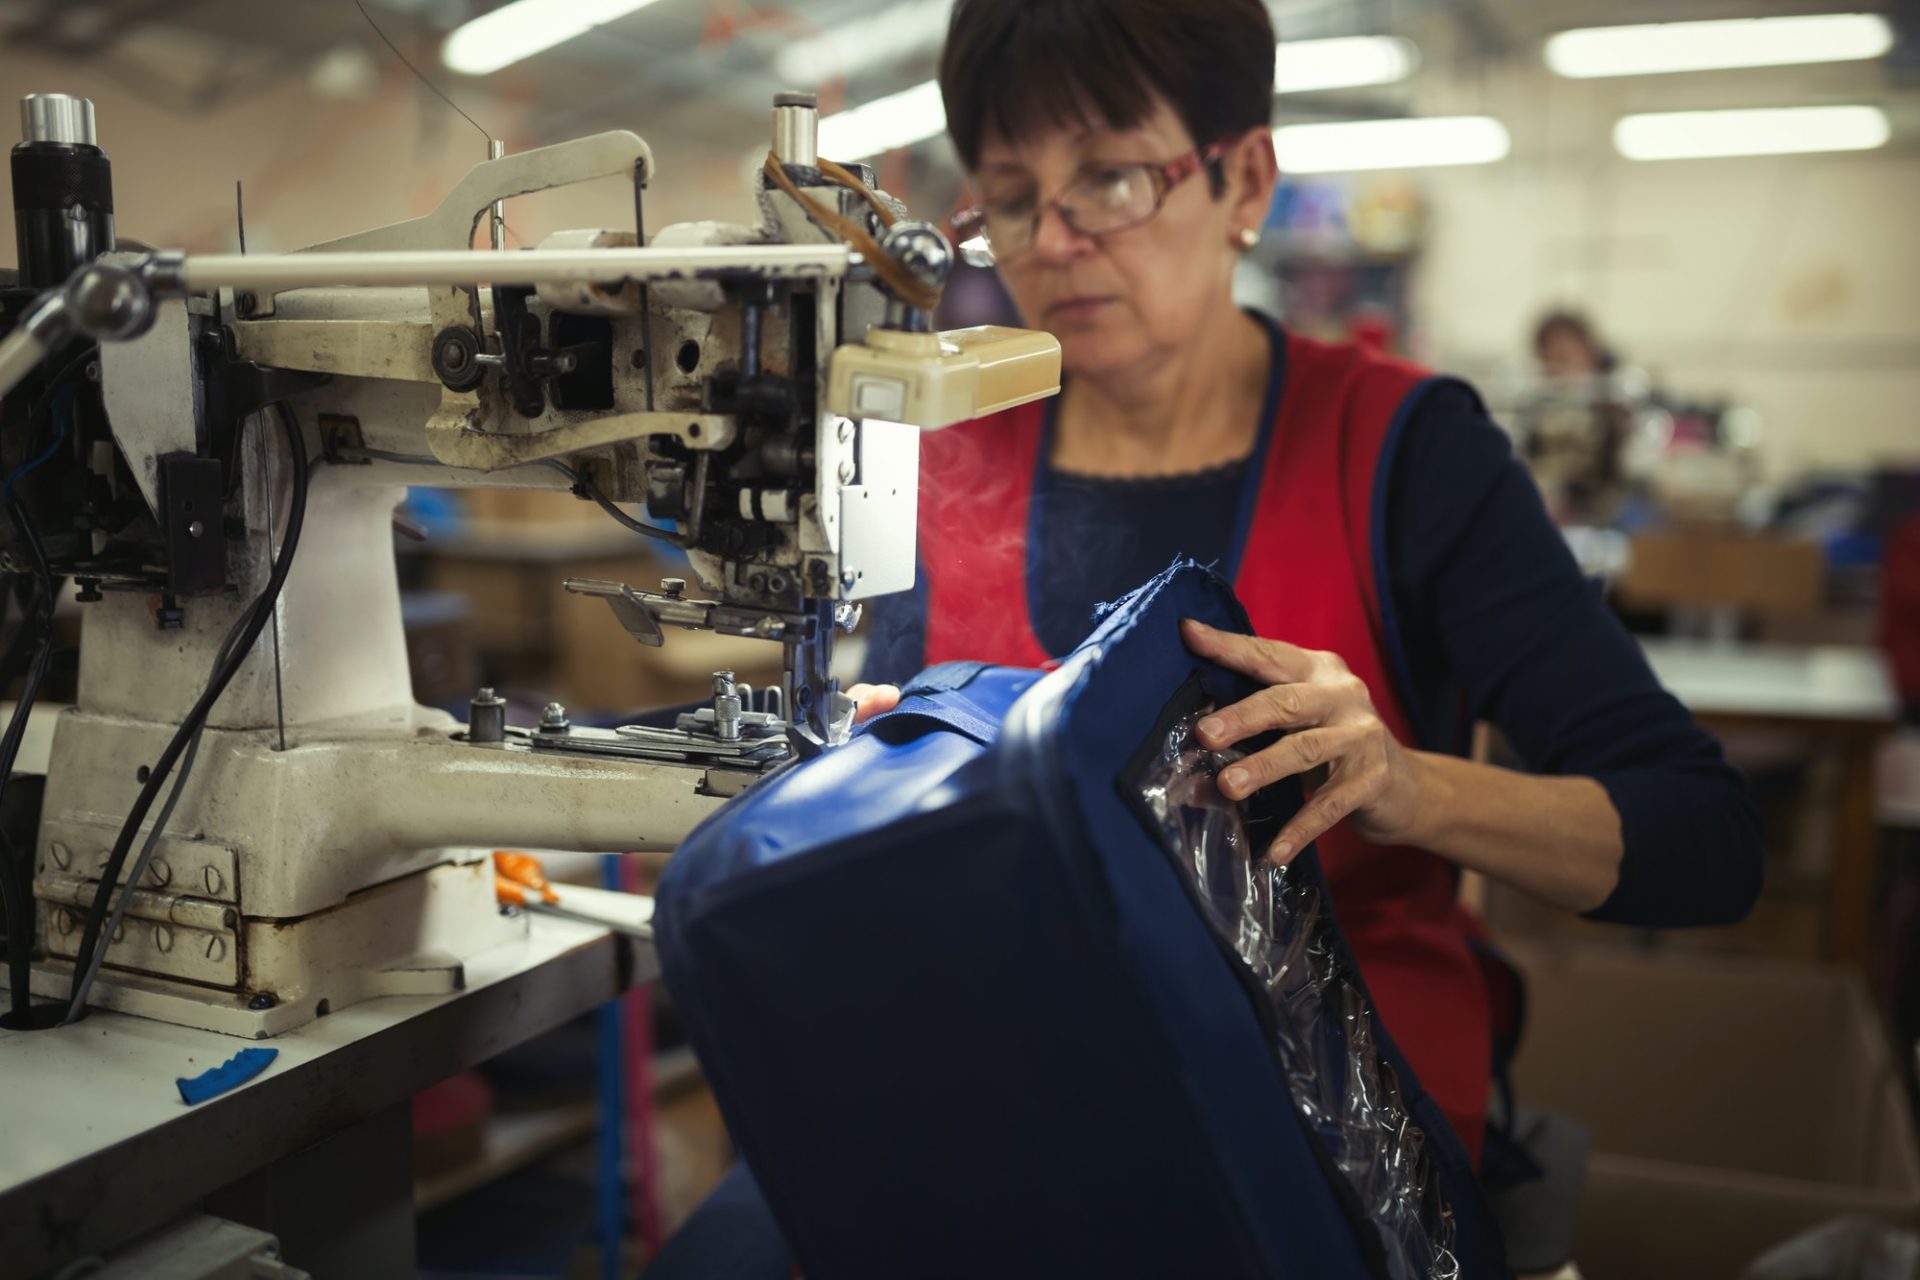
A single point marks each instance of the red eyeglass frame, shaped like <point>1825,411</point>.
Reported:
<point>971,222</point>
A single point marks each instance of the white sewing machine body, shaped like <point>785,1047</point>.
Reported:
<point>306,866</point>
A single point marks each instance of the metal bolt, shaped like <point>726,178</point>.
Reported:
<point>265,1000</point>
<point>245,304</point>
<point>486,718</point>
<point>214,881</point>
<point>846,431</point>
<point>846,471</point>
<point>162,938</point>
<point>675,587</point>
<point>159,872</point>
<point>195,529</point>
<point>61,855</point>
<point>216,947</point>
<point>553,717</point>
<point>726,707</point>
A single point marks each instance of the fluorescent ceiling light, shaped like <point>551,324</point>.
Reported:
<point>1302,66</point>
<point>1692,135</point>
<point>1389,144</point>
<point>1661,47</point>
<point>524,28</point>
<point>892,35</point>
<point>897,120</point>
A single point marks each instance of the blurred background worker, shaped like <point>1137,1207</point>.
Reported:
<point>1670,246</point>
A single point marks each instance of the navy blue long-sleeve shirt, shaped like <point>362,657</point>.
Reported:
<point>1496,622</point>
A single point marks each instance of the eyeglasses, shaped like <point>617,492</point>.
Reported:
<point>1100,201</point>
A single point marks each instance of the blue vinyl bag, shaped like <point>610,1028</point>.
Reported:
<point>995,989</point>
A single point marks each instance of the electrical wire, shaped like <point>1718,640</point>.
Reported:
<point>81,989</point>
<point>19,963</point>
<point>196,718</point>
<point>19,922</point>
<point>37,416</point>
<point>587,488</point>
<point>583,486</point>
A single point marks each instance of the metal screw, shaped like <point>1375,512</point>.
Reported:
<point>62,856</point>
<point>195,529</point>
<point>162,938</point>
<point>216,947</point>
<point>675,587</point>
<point>848,577</point>
<point>265,1000</point>
<point>554,717</point>
<point>214,882</point>
<point>159,872</point>
<point>846,471</point>
<point>63,921</point>
<point>245,304</point>
<point>93,371</point>
<point>726,707</point>
<point>846,431</point>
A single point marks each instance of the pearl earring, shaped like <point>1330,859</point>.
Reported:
<point>1249,237</point>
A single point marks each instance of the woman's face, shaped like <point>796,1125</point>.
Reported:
<point>1124,300</point>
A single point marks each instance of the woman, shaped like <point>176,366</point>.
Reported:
<point>1395,560</point>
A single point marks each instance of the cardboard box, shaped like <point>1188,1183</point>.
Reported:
<point>1705,568</point>
<point>1733,1104</point>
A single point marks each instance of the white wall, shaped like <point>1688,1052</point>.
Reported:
<point>1789,283</point>
<point>316,168</point>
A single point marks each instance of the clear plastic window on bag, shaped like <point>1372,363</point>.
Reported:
<point>1281,930</point>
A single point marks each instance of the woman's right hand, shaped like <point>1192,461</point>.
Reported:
<point>870,700</point>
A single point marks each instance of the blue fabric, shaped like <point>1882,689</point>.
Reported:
<point>731,1236</point>
<point>1492,619</point>
<point>964,1019</point>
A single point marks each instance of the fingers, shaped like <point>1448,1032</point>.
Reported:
<point>1283,706</point>
<point>1317,817</point>
<point>1268,661</point>
<point>870,700</point>
<point>1294,754</point>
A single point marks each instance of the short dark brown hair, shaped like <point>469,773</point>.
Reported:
<point>1570,322</point>
<point>1011,67</point>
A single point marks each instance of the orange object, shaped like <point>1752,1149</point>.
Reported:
<point>516,873</point>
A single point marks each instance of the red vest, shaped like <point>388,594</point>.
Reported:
<point>1306,574</point>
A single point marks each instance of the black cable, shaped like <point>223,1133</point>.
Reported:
<point>83,982</point>
<point>257,618</point>
<point>36,621</point>
<point>19,917</point>
<point>19,962</point>
<point>588,489</point>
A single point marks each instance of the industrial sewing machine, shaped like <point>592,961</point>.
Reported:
<point>759,390</point>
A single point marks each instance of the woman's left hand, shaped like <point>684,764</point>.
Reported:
<point>1357,769</point>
